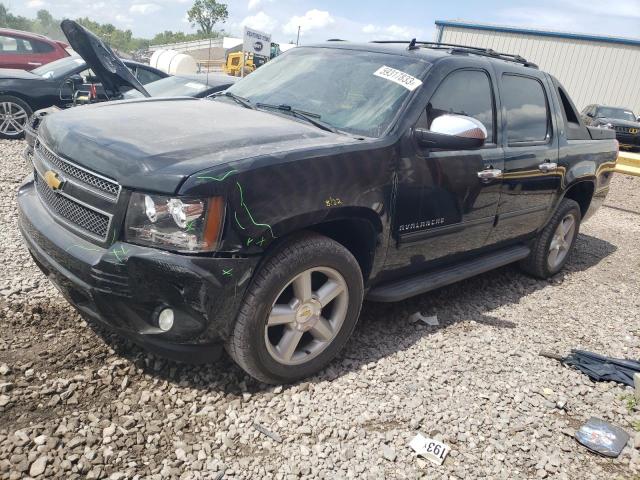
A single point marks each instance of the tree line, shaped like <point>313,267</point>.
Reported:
<point>204,14</point>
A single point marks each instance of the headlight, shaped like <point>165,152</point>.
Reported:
<point>180,224</point>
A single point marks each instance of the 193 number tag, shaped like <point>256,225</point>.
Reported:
<point>429,448</point>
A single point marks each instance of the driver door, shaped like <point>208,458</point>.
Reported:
<point>443,208</point>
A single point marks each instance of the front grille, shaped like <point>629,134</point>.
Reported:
<point>629,130</point>
<point>109,187</point>
<point>78,215</point>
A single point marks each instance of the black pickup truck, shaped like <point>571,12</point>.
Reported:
<point>259,220</point>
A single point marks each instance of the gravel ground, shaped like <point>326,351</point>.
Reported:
<point>73,405</point>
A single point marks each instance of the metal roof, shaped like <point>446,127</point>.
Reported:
<point>542,33</point>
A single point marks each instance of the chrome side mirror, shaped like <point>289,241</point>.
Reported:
<point>453,132</point>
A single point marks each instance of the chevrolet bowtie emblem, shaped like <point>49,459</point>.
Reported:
<point>53,180</point>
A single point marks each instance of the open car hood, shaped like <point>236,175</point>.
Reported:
<point>101,59</point>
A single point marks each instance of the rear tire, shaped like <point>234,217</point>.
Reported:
<point>14,115</point>
<point>299,311</point>
<point>554,244</point>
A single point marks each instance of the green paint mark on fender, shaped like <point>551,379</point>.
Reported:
<point>218,179</point>
<point>244,205</point>
<point>235,214</point>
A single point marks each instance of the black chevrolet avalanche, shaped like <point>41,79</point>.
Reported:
<point>259,220</point>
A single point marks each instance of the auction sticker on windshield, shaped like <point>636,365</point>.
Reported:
<point>397,76</point>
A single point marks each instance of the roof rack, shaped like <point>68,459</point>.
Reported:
<point>455,48</point>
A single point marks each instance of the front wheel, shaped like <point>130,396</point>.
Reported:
<point>554,244</point>
<point>299,311</point>
<point>14,114</point>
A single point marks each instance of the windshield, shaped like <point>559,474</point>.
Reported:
<point>347,89</point>
<point>170,87</point>
<point>58,68</point>
<point>618,113</point>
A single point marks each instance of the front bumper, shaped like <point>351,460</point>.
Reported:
<point>125,286</point>
<point>627,140</point>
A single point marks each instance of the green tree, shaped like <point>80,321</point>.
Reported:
<point>206,13</point>
<point>176,37</point>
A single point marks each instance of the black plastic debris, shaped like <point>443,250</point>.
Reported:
<point>600,368</point>
<point>602,437</point>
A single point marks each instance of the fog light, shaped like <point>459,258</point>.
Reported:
<point>165,320</point>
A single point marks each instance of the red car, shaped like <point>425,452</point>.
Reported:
<point>26,51</point>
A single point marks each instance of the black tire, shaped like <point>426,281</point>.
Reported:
<point>10,99</point>
<point>247,344</point>
<point>538,262</point>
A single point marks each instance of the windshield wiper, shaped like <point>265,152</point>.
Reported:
<point>236,98</point>
<point>312,118</point>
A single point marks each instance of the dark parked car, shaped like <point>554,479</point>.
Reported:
<point>622,120</point>
<point>198,85</point>
<point>58,83</point>
<point>26,51</point>
<point>259,220</point>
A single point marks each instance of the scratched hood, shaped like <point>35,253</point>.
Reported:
<point>156,144</point>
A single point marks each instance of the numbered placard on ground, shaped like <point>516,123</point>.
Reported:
<point>431,449</point>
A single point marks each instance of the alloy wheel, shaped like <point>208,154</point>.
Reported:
<point>561,241</point>
<point>12,119</point>
<point>306,316</point>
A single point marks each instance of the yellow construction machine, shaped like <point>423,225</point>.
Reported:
<point>233,63</point>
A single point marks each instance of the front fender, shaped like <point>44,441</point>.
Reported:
<point>267,200</point>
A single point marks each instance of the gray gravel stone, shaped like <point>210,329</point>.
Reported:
<point>38,467</point>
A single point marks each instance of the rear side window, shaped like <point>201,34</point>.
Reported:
<point>42,47</point>
<point>14,45</point>
<point>567,108</point>
<point>526,109</point>
<point>465,92</point>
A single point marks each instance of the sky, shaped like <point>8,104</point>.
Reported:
<point>350,19</point>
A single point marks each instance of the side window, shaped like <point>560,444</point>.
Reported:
<point>145,76</point>
<point>526,108</point>
<point>42,47</point>
<point>8,45</point>
<point>567,108</point>
<point>465,92</point>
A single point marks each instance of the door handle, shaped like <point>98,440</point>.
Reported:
<point>548,167</point>
<point>489,174</point>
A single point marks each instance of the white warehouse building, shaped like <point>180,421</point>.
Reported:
<point>593,69</point>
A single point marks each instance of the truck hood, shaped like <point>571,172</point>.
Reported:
<point>155,144</point>
<point>101,59</point>
<point>619,123</point>
<point>15,74</point>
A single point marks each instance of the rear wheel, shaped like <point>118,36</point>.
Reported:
<point>14,114</point>
<point>555,242</point>
<point>299,311</point>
